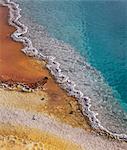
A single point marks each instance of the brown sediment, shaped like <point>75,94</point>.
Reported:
<point>15,66</point>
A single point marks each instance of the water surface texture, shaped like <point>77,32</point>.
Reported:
<point>96,29</point>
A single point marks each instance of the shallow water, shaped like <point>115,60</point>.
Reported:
<point>97,30</point>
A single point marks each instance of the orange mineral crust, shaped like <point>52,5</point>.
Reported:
<point>14,65</point>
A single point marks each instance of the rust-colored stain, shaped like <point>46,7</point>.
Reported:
<point>14,65</point>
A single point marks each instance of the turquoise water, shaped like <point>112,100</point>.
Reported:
<point>97,29</point>
<point>107,38</point>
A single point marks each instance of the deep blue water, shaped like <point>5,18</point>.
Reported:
<point>97,29</point>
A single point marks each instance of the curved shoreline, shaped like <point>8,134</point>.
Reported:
<point>54,67</point>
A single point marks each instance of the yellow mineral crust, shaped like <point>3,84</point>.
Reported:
<point>23,138</point>
<point>38,101</point>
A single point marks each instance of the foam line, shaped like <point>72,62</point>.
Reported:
<point>54,67</point>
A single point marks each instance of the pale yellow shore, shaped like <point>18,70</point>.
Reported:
<point>38,101</point>
<point>23,117</point>
<point>31,103</point>
<point>22,138</point>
